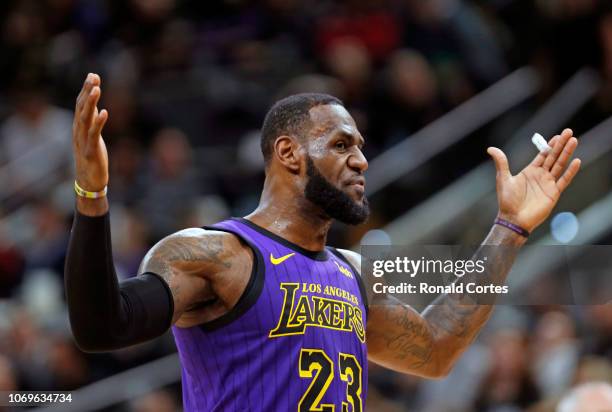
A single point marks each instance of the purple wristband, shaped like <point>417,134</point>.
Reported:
<point>512,227</point>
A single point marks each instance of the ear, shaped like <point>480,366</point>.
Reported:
<point>287,151</point>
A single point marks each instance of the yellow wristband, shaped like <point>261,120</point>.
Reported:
<point>89,195</point>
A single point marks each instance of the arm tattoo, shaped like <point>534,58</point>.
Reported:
<point>185,254</point>
<point>409,340</point>
<point>185,249</point>
<point>460,316</point>
<point>428,344</point>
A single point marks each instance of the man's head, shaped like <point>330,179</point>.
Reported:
<point>588,397</point>
<point>312,139</point>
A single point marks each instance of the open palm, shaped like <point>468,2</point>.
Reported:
<point>527,198</point>
<point>90,155</point>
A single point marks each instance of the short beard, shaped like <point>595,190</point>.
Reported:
<point>335,203</point>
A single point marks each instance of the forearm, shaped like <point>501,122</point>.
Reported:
<point>92,289</point>
<point>456,318</point>
<point>399,339</point>
<point>92,207</point>
<point>104,314</point>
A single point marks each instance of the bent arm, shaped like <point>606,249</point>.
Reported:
<point>428,344</point>
<point>106,314</point>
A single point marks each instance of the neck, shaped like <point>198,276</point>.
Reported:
<point>290,216</point>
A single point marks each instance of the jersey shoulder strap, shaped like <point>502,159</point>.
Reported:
<point>360,282</point>
<point>255,284</point>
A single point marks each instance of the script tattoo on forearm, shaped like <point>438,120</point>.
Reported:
<point>429,343</point>
<point>409,340</point>
<point>460,316</point>
<point>399,334</point>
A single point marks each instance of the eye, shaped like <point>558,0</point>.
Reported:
<point>340,145</point>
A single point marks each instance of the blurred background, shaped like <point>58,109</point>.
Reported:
<point>431,84</point>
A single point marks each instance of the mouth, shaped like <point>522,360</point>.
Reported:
<point>358,184</point>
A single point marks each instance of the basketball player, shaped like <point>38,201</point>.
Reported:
<point>265,316</point>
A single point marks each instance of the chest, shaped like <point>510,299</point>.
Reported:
<point>305,296</point>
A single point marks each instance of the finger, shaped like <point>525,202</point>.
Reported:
<point>568,176</point>
<point>91,80</point>
<point>553,155</point>
<point>96,130</point>
<point>540,157</point>
<point>84,89</point>
<point>501,162</point>
<point>563,159</point>
<point>89,109</point>
<point>97,126</point>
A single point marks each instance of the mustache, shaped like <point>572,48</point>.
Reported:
<point>357,180</point>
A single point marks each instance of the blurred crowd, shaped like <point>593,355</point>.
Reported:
<point>187,84</point>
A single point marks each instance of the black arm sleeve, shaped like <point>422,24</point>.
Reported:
<point>105,314</point>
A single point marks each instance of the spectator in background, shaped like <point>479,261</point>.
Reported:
<point>348,60</point>
<point>408,99</point>
<point>569,26</point>
<point>47,248</point>
<point>367,22</point>
<point>26,344</point>
<point>120,98</point>
<point>12,264</point>
<point>126,164</point>
<point>588,397</point>
<point>158,401</point>
<point>508,385</point>
<point>23,36</point>
<point>599,341</point>
<point>171,176</point>
<point>8,378</point>
<point>604,98</point>
<point>455,32</point>
<point>34,140</point>
<point>555,353</point>
<point>66,364</point>
<point>130,239</point>
<point>594,368</point>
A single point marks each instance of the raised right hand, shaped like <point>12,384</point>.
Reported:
<point>527,198</point>
<point>90,153</point>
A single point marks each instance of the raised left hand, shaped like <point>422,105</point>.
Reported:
<point>527,198</point>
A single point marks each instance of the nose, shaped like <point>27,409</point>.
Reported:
<point>358,162</point>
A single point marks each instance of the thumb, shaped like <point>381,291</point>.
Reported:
<point>501,162</point>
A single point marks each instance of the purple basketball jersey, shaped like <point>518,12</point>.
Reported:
<point>295,341</point>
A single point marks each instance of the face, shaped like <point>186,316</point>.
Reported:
<point>335,165</point>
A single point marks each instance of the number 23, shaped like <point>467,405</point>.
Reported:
<point>316,361</point>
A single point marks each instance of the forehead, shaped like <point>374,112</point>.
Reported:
<point>331,118</point>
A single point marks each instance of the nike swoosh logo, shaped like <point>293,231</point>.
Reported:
<point>278,261</point>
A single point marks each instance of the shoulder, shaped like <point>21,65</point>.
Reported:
<point>210,248</point>
<point>199,238</point>
<point>353,258</point>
